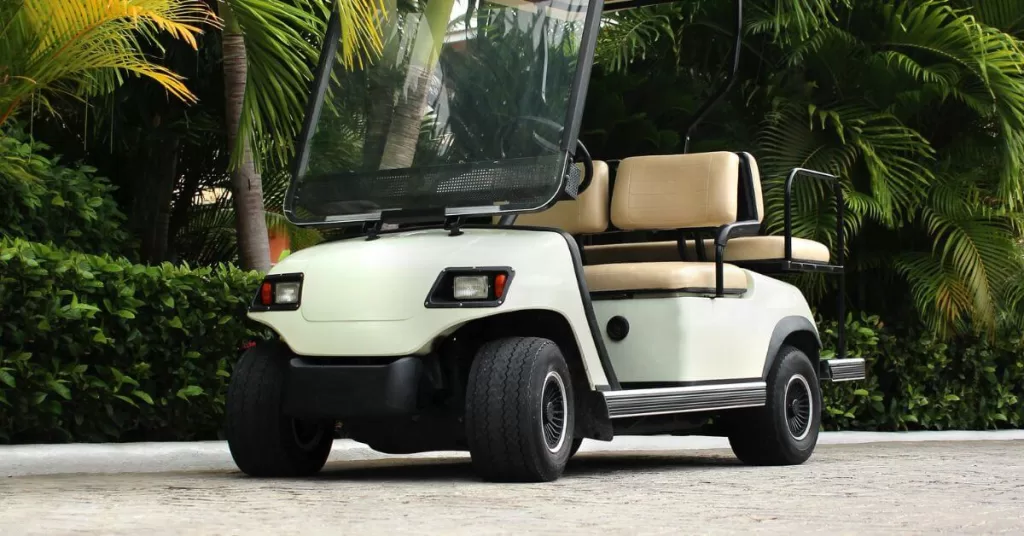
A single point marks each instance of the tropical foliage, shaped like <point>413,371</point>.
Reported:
<point>917,106</point>
<point>86,47</point>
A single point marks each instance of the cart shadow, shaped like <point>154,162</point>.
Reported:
<point>583,465</point>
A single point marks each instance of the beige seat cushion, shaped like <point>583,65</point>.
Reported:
<point>743,249</point>
<point>665,276</point>
<point>587,214</point>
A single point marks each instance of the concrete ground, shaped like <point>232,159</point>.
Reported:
<point>638,486</point>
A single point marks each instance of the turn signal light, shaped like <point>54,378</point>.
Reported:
<point>267,293</point>
<point>499,285</point>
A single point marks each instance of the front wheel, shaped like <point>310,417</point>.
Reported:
<point>264,442</point>
<point>785,430</point>
<point>519,411</point>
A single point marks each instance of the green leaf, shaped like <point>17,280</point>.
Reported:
<point>126,314</point>
<point>100,337</point>
<point>191,390</point>
<point>143,396</point>
<point>126,399</point>
<point>60,389</point>
<point>192,355</point>
<point>175,323</point>
<point>168,301</point>
<point>8,379</point>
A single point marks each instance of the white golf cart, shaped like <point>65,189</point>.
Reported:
<point>469,312</point>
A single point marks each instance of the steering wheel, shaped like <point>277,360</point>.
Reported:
<point>581,150</point>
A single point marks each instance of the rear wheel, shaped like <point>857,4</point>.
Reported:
<point>263,441</point>
<point>785,430</point>
<point>519,411</point>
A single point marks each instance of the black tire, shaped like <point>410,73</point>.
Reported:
<point>263,441</point>
<point>785,430</point>
<point>506,412</point>
<point>576,443</point>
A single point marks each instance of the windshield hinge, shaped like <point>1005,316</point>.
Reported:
<point>452,224</point>
<point>372,229</point>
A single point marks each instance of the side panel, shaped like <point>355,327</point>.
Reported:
<point>367,298</point>
<point>687,339</point>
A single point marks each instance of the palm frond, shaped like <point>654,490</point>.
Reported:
<point>86,47</point>
<point>282,42</point>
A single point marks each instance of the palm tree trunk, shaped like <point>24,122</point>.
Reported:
<point>400,148</point>
<point>246,183</point>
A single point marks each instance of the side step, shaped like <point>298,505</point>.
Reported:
<point>843,370</point>
<point>644,402</point>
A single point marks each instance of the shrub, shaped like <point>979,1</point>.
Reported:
<point>917,382</point>
<point>44,201</point>
<point>98,349</point>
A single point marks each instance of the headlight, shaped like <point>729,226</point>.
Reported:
<point>470,287</point>
<point>279,292</point>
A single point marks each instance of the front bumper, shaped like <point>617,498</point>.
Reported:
<point>844,370</point>
<point>325,389</point>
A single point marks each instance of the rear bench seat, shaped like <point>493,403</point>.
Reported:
<point>740,249</point>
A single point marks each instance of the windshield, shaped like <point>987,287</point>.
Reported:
<point>465,111</point>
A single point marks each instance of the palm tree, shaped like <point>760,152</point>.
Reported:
<point>84,48</point>
<point>269,50</point>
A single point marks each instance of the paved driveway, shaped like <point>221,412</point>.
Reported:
<point>968,487</point>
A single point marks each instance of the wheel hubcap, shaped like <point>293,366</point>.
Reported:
<point>799,407</point>
<point>553,411</point>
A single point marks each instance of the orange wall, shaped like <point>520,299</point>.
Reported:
<point>278,243</point>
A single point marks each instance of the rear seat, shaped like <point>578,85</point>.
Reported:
<point>740,249</point>
<point>671,192</point>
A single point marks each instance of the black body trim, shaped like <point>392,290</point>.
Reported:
<point>695,292</point>
<point>326,389</point>
<point>256,306</point>
<point>436,301</point>
<point>786,327</point>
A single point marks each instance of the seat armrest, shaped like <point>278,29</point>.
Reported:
<point>725,232</point>
<point>837,190</point>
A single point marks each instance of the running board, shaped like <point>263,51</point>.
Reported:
<point>661,401</point>
<point>844,370</point>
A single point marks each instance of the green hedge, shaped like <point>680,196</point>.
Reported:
<point>917,382</point>
<point>98,349</point>
<point>44,201</point>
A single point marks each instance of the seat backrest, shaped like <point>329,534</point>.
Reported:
<point>750,189</point>
<point>666,192</point>
<point>587,214</point>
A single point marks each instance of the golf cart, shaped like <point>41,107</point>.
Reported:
<point>469,310</point>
